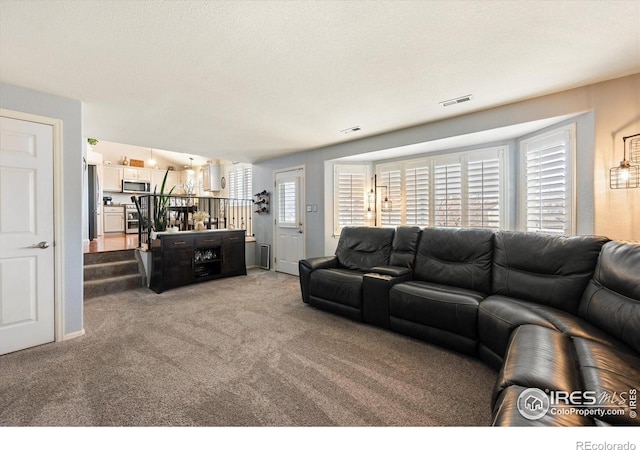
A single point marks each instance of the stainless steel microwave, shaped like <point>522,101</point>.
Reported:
<point>136,186</point>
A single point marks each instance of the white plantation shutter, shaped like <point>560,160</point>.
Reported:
<point>392,179</point>
<point>287,211</point>
<point>464,189</point>
<point>484,194</point>
<point>239,183</point>
<point>547,186</point>
<point>349,192</point>
<point>448,195</point>
<point>417,195</point>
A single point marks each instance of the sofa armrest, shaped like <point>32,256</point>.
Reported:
<point>322,262</point>
<point>393,271</point>
<point>307,266</point>
<point>375,294</point>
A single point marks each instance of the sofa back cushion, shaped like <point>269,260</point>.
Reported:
<point>361,248</point>
<point>612,299</point>
<point>546,269</point>
<point>405,244</point>
<point>456,257</point>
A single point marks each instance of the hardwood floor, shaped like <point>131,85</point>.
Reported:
<point>111,242</point>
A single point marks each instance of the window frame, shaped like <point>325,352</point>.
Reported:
<point>295,222</point>
<point>239,180</point>
<point>568,133</point>
<point>500,152</point>
<point>339,169</point>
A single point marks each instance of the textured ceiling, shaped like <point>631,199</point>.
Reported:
<point>251,80</point>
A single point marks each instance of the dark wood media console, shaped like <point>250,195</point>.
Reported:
<point>190,257</point>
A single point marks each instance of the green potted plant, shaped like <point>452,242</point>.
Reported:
<point>160,201</point>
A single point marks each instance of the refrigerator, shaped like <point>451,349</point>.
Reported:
<point>94,200</point>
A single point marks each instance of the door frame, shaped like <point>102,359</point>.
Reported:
<point>303,216</point>
<point>58,218</point>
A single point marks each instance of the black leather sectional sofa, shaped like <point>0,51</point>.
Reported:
<point>558,317</point>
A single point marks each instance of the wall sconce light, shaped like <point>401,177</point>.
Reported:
<point>371,200</point>
<point>627,174</point>
<point>385,205</point>
<point>385,202</point>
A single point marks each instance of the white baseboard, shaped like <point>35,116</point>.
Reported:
<point>73,335</point>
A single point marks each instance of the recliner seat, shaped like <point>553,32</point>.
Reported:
<point>452,275</point>
<point>335,283</point>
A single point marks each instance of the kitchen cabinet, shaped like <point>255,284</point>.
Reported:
<point>132,173</point>
<point>156,180</point>
<point>129,173</point>
<point>190,257</point>
<point>113,219</point>
<point>211,177</point>
<point>112,179</point>
<point>144,174</point>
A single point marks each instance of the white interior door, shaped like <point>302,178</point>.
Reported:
<point>289,226</point>
<point>26,235</point>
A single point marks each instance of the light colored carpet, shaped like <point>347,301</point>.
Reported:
<point>243,351</point>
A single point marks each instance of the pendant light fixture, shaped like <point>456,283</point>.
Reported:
<point>190,170</point>
<point>151,162</point>
<point>627,174</point>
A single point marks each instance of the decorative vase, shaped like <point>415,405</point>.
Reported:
<point>199,225</point>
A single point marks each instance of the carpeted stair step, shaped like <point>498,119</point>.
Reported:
<point>111,272</point>
<point>104,257</point>
<point>110,269</point>
<point>105,286</point>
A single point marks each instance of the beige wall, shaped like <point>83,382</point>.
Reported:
<point>617,114</point>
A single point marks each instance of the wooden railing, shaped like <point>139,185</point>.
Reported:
<point>158,213</point>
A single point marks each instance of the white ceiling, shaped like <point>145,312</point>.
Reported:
<point>252,80</point>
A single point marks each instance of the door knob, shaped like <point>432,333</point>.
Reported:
<point>43,245</point>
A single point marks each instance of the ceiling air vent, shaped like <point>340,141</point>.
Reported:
<point>455,101</point>
<point>350,130</point>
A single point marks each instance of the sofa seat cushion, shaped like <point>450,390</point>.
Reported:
<point>612,373</point>
<point>445,307</point>
<point>498,316</point>
<point>538,357</point>
<point>337,285</point>
<point>506,413</point>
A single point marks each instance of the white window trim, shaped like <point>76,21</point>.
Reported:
<point>570,143</point>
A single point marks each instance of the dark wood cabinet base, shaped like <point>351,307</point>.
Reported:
<point>184,258</point>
